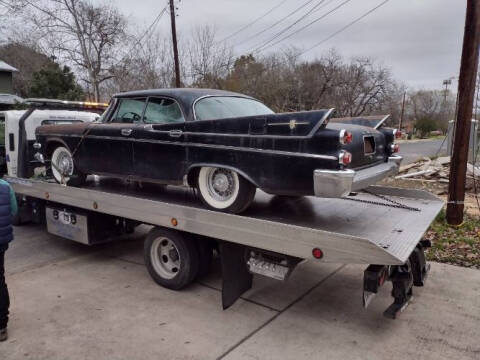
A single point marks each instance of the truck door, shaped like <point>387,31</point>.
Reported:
<point>159,151</point>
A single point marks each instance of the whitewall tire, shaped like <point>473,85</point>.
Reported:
<point>63,167</point>
<point>224,190</point>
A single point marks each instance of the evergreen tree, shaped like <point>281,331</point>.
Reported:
<point>55,82</point>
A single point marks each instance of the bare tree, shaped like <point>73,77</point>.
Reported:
<point>79,33</point>
<point>208,61</point>
<point>151,67</point>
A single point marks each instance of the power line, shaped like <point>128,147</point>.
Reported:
<point>305,26</point>
<point>254,21</point>
<point>288,27</point>
<point>276,23</point>
<point>346,26</point>
<point>152,25</point>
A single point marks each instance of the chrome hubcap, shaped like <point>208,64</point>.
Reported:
<point>65,164</point>
<point>165,258</point>
<point>221,184</point>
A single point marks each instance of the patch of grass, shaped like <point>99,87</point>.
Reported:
<point>455,245</point>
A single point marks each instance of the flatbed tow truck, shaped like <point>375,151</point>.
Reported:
<point>381,227</point>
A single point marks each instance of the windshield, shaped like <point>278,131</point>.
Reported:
<point>223,107</point>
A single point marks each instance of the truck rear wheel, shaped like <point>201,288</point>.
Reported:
<point>171,258</point>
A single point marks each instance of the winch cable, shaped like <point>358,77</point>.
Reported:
<point>82,138</point>
<point>389,202</point>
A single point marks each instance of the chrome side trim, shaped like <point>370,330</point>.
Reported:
<point>293,123</point>
<point>320,122</point>
<point>381,122</point>
<point>212,146</point>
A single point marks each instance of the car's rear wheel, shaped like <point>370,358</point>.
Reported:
<point>224,190</point>
<point>63,167</point>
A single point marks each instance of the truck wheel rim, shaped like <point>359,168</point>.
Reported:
<point>221,184</point>
<point>165,258</point>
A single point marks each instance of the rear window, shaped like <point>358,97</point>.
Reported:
<point>224,107</point>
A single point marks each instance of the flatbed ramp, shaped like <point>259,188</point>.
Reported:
<point>368,230</point>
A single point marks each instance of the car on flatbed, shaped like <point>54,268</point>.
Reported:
<point>223,143</point>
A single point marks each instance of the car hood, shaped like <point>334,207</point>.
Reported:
<point>70,129</point>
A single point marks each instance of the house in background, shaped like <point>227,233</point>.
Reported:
<point>6,78</point>
<point>7,96</point>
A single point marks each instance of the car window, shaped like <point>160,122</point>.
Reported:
<point>223,107</point>
<point>162,111</point>
<point>129,111</point>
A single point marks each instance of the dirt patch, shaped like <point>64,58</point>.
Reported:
<point>458,245</point>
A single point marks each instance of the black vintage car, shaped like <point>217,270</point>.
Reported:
<point>225,144</point>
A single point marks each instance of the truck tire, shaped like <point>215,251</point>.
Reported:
<point>224,190</point>
<point>171,258</point>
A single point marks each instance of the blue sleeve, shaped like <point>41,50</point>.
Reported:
<point>13,202</point>
<point>13,198</point>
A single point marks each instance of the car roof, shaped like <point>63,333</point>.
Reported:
<point>180,93</point>
<point>185,96</point>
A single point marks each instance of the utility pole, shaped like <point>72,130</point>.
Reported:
<point>175,47</point>
<point>403,111</point>
<point>466,93</point>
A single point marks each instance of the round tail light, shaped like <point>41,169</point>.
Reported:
<point>345,137</point>
<point>394,148</point>
<point>344,158</point>
<point>397,134</point>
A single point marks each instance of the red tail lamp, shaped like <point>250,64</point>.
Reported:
<point>397,134</point>
<point>394,148</point>
<point>345,137</point>
<point>317,253</point>
<point>344,158</point>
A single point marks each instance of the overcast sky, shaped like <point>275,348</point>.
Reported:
<point>420,40</point>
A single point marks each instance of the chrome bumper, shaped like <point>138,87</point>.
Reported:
<point>339,183</point>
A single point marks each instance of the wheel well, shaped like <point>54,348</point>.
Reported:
<point>192,175</point>
<point>51,146</point>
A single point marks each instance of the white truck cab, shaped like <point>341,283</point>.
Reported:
<point>39,117</point>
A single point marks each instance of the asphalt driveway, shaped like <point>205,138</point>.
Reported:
<point>74,302</point>
<point>414,150</point>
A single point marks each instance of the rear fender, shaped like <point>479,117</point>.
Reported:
<point>238,171</point>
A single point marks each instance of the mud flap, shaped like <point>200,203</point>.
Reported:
<point>236,279</point>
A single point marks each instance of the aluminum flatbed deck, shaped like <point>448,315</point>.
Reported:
<point>346,231</point>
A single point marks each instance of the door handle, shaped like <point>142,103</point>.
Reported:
<point>126,132</point>
<point>175,133</point>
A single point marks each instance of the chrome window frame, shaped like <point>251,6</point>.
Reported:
<point>119,101</point>
<point>163,97</point>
